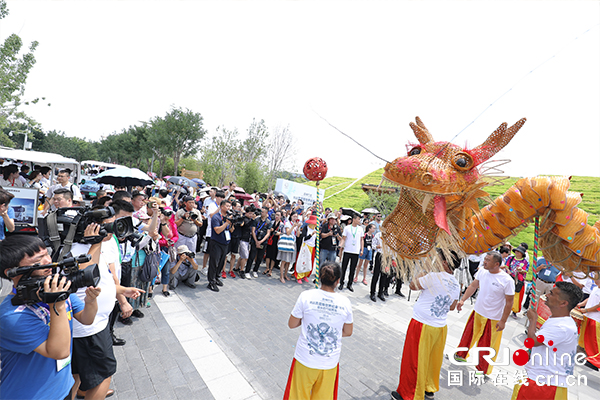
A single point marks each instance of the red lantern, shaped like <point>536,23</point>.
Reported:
<point>315,169</point>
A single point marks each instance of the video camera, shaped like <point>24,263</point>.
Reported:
<point>67,225</point>
<point>28,288</point>
<point>235,217</point>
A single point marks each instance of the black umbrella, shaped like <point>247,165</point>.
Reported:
<point>349,211</point>
<point>123,177</point>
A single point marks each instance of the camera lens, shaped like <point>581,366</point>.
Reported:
<point>89,276</point>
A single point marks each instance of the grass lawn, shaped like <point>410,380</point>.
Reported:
<point>347,192</point>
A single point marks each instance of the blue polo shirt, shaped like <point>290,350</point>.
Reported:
<point>26,374</point>
<point>217,220</point>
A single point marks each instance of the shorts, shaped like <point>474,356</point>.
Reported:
<point>234,245</point>
<point>366,254</point>
<point>244,250</point>
<point>93,359</point>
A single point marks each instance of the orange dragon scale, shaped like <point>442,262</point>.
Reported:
<point>440,184</point>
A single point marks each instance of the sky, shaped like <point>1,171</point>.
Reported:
<point>368,67</point>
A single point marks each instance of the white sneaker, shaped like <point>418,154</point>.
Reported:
<point>204,271</point>
<point>248,276</point>
<point>254,274</point>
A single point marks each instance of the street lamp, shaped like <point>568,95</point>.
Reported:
<point>26,144</point>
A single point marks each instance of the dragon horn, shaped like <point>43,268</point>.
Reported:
<point>421,131</point>
<point>497,140</point>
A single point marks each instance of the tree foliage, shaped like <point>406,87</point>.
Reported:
<point>14,69</point>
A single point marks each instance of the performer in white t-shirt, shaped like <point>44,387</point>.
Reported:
<point>551,361</point>
<point>426,336</point>
<point>351,246</point>
<point>492,308</point>
<point>324,317</point>
<point>589,336</point>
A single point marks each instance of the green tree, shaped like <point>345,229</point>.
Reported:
<point>252,178</point>
<point>221,157</point>
<point>14,69</point>
<point>178,134</point>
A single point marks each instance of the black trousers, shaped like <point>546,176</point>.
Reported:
<point>112,318</point>
<point>353,260</point>
<point>256,256</point>
<point>218,252</point>
<point>384,280</point>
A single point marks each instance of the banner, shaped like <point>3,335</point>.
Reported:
<point>295,191</point>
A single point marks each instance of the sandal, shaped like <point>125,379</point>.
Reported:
<point>269,273</point>
<point>355,280</point>
<point>166,293</point>
<point>364,282</point>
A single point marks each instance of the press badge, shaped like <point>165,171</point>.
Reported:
<point>60,364</point>
<point>227,236</point>
<point>547,272</point>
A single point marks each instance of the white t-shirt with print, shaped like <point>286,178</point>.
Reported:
<point>492,291</point>
<point>562,331</point>
<point>106,298</point>
<point>440,289</point>
<point>323,317</point>
<point>592,301</point>
<point>353,237</point>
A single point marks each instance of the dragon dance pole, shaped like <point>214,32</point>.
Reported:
<point>318,240</point>
<point>534,299</point>
<point>315,169</point>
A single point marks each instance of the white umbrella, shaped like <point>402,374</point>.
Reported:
<point>370,210</point>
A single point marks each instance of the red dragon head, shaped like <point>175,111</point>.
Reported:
<point>442,172</point>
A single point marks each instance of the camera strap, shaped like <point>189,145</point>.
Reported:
<point>70,235</point>
<point>52,225</point>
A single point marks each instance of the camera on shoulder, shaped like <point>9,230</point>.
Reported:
<point>66,226</point>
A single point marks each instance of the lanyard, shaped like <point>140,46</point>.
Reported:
<point>263,224</point>
<point>355,231</point>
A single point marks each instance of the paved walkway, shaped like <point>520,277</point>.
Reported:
<point>235,344</point>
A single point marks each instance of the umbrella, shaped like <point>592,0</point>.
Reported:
<point>199,182</point>
<point>349,211</point>
<point>370,210</point>
<point>237,189</point>
<point>123,176</point>
<point>182,180</point>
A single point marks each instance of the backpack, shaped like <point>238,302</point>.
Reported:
<point>149,269</point>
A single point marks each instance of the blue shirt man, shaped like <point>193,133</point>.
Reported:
<point>218,246</point>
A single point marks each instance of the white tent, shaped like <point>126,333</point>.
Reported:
<point>38,157</point>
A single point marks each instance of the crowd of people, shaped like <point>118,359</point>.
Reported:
<point>176,227</point>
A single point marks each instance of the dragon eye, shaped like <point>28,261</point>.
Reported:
<point>462,161</point>
<point>414,151</point>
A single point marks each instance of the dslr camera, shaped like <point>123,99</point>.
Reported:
<point>28,288</point>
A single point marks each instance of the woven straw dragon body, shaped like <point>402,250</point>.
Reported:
<point>440,184</point>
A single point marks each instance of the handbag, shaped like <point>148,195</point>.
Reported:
<point>519,286</point>
<point>304,261</point>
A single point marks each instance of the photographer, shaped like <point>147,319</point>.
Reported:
<point>93,362</point>
<point>260,234</point>
<point>188,221</point>
<point>245,232</point>
<point>219,242</point>
<point>35,340</point>
<point>331,235</point>
<point>237,220</point>
<point>185,270</point>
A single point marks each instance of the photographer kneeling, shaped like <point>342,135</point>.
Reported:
<point>185,270</point>
<point>35,338</point>
<point>94,361</point>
